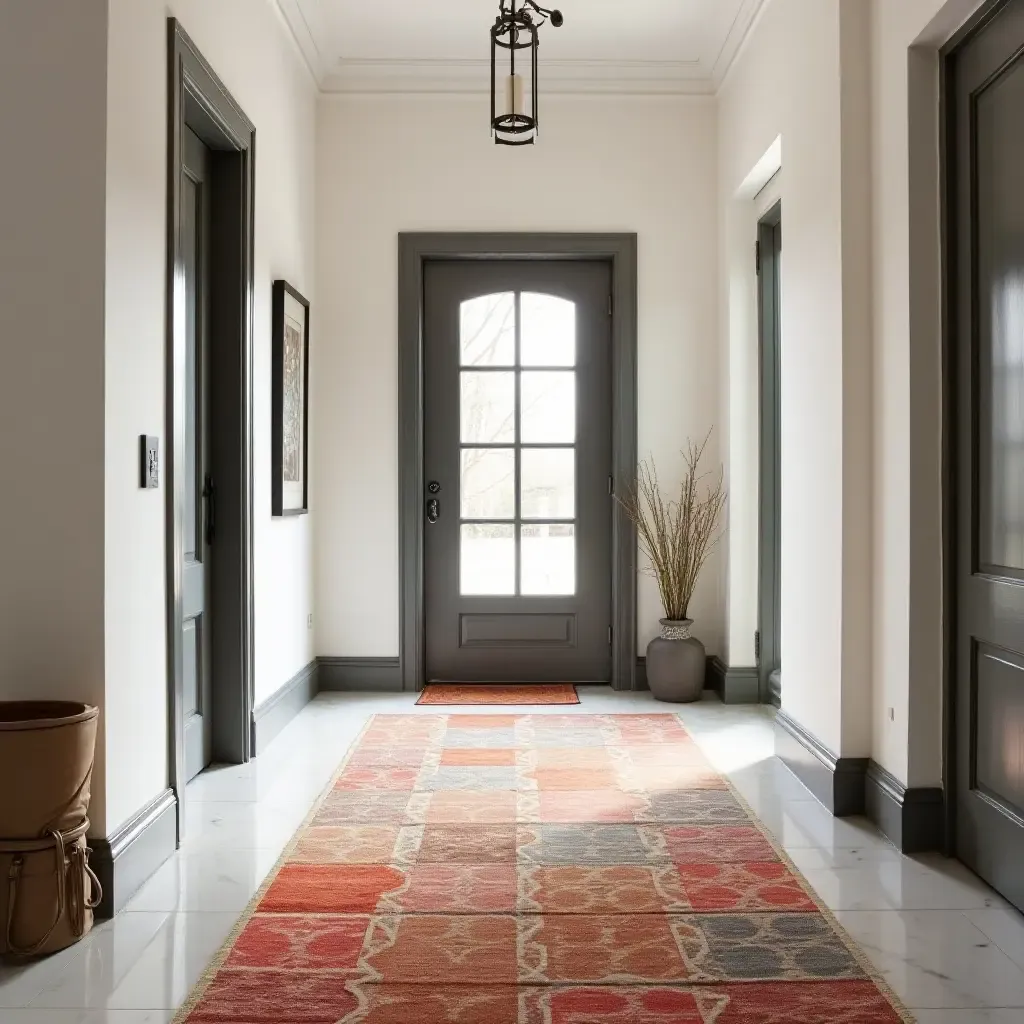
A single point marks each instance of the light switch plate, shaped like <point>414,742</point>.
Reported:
<point>149,464</point>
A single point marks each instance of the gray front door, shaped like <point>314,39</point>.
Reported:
<point>198,510</point>
<point>517,448</point>
<point>988,292</point>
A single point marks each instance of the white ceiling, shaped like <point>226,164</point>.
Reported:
<point>640,46</point>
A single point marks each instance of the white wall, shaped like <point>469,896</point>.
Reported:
<point>52,101</point>
<point>788,84</point>
<point>404,163</point>
<point>249,46</point>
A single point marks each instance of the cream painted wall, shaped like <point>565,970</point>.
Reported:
<point>907,599</point>
<point>53,96</point>
<point>779,88</point>
<point>248,44</point>
<point>405,163</point>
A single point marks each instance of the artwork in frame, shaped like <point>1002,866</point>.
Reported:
<point>289,486</point>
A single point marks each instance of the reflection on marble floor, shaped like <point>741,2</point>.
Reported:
<point>952,949</point>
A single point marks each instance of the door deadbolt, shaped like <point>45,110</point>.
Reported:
<point>433,510</point>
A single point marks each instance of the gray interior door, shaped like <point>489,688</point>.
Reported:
<point>198,510</point>
<point>769,636</point>
<point>517,448</point>
<point>988,91</point>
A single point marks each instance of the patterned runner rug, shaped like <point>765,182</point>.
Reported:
<point>493,693</point>
<point>545,869</point>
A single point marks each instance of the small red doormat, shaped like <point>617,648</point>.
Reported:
<point>490,693</point>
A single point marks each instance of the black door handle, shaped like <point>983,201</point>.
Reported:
<point>210,494</point>
<point>433,510</point>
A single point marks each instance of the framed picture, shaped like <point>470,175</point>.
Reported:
<point>289,430</point>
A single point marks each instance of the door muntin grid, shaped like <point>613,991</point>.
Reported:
<point>518,501</point>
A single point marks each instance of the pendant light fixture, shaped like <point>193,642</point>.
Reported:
<point>515,32</point>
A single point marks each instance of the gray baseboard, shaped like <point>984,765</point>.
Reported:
<point>270,717</point>
<point>126,859</point>
<point>379,675</point>
<point>775,689</point>
<point>913,820</point>
<point>737,685</point>
<point>838,782</point>
<point>741,685</point>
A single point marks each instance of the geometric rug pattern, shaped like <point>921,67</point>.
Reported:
<point>535,869</point>
<point>494,693</point>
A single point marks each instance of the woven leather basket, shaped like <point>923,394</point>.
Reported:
<point>47,890</point>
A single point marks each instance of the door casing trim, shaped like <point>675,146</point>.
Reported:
<point>770,509</point>
<point>198,99</point>
<point>950,413</point>
<point>414,250</point>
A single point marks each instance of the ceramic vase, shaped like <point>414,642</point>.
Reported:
<point>676,663</point>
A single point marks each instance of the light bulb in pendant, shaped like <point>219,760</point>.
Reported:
<point>514,94</point>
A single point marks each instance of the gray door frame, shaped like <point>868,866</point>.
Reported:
<point>414,250</point>
<point>198,99</point>
<point>769,500</point>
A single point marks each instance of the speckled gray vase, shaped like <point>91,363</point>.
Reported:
<point>676,663</point>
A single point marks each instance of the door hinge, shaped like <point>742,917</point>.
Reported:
<point>210,496</point>
<point>757,257</point>
<point>609,635</point>
<point>611,305</point>
<point>611,485</point>
<point>757,645</point>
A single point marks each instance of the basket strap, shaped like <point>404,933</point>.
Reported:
<point>35,845</point>
<point>79,871</point>
<point>69,885</point>
<point>14,877</point>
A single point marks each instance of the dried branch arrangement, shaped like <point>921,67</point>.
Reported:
<point>677,536</point>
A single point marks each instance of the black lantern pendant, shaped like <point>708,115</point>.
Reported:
<point>514,31</point>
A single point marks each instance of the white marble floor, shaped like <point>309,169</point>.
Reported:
<point>950,947</point>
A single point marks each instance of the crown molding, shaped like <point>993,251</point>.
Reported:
<point>304,37</point>
<point>559,77</point>
<point>742,25</point>
<point>640,77</point>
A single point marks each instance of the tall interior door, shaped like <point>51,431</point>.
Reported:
<point>769,634</point>
<point>198,489</point>
<point>518,450</point>
<point>988,291</point>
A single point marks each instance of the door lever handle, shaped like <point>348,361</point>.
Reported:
<point>433,510</point>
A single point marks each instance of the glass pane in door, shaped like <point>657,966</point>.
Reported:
<point>488,413</point>
<point>487,559</point>
<point>548,483</point>
<point>487,330</point>
<point>548,330</point>
<point>548,412</point>
<point>548,559</point>
<point>488,483</point>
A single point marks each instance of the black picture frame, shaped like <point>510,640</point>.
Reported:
<point>282,498</point>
